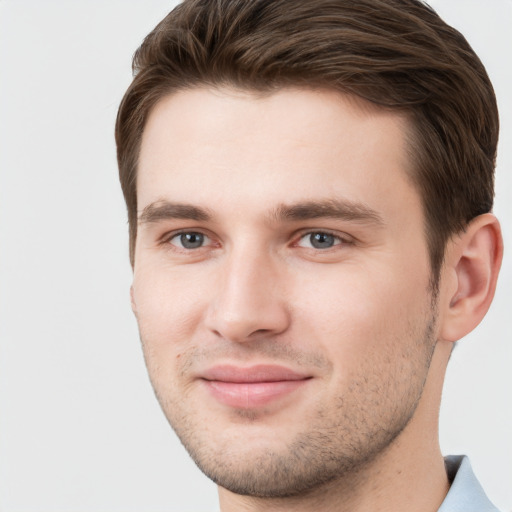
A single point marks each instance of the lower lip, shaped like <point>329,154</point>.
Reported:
<point>247,395</point>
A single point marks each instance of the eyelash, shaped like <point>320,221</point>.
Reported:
<point>340,239</point>
<point>166,240</point>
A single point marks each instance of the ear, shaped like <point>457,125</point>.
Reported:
<point>473,260</point>
<point>132,301</point>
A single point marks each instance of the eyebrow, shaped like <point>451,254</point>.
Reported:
<point>331,208</point>
<point>165,210</point>
<point>307,210</point>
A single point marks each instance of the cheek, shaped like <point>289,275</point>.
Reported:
<point>362,313</point>
<point>168,313</point>
<point>169,307</point>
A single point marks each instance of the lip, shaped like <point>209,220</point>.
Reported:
<point>250,387</point>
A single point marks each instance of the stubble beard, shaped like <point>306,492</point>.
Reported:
<point>368,418</point>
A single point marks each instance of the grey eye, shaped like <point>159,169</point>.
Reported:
<point>190,240</point>
<point>322,240</point>
<point>319,240</point>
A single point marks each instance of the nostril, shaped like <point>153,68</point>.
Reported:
<point>259,332</point>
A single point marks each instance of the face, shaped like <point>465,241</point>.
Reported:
<point>281,283</point>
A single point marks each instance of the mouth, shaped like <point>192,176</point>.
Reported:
<point>255,386</point>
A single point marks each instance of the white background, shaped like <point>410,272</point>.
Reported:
<point>80,429</point>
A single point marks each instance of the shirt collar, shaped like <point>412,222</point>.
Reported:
<point>466,493</point>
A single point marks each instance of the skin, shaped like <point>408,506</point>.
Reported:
<point>256,181</point>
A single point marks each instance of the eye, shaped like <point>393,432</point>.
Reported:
<point>319,240</point>
<point>189,240</point>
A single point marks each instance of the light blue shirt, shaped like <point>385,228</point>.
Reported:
<point>465,494</point>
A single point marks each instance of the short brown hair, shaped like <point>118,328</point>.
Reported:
<point>398,54</point>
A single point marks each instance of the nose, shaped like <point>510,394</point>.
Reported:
<point>250,300</point>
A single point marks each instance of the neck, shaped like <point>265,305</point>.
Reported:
<point>409,475</point>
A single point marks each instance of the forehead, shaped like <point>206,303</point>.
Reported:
<point>224,146</point>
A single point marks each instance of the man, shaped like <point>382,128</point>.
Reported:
<point>309,188</point>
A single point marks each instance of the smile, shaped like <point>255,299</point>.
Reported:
<point>252,387</point>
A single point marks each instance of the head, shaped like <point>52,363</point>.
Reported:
<point>301,180</point>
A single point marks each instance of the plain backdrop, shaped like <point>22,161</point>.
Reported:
<point>80,430</point>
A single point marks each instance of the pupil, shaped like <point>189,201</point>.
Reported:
<point>191,240</point>
<point>321,240</point>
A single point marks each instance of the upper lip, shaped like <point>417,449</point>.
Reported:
<point>256,373</point>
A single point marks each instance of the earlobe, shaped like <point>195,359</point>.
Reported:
<point>475,259</point>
